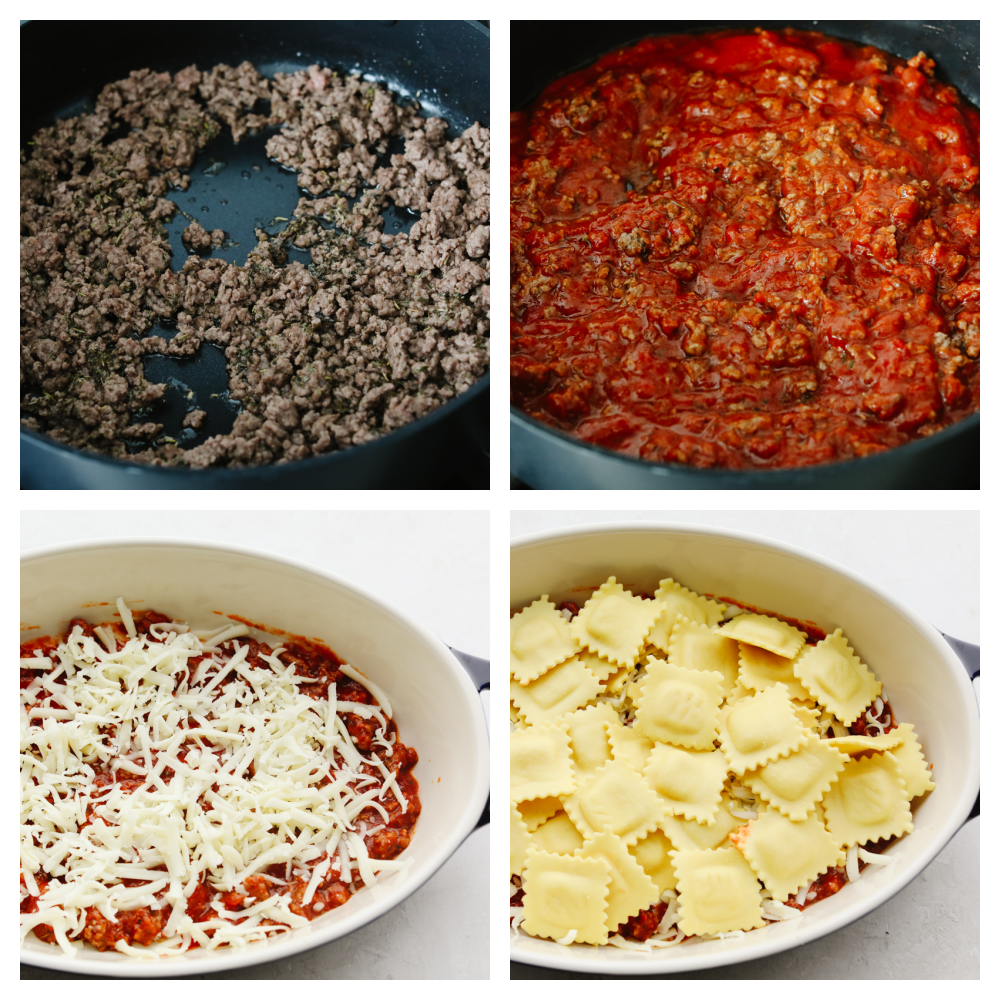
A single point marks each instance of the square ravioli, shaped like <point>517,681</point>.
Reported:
<point>630,746</point>
<point>697,647</point>
<point>787,855</point>
<point>615,796</point>
<point>855,746</point>
<point>588,736</point>
<point>757,730</point>
<point>688,781</point>
<point>539,639</point>
<point>614,623</point>
<point>540,763</point>
<point>679,706</point>
<point>794,784</point>
<point>769,633</point>
<point>602,669</point>
<point>837,678</point>
<point>913,767</point>
<point>566,897</point>
<point>535,812</point>
<point>868,801</point>
<point>678,602</point>
<point>718,892</point>
<point>690,835</point>
<point>631,889</point>
<point>562,689</point>
<point>615,684</point>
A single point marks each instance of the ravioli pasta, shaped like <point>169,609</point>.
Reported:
<point>683,768</point>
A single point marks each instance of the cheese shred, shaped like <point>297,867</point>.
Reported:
<point>219,771</point>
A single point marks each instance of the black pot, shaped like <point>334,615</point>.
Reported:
<point>446,61</point>
<point>546,458</point>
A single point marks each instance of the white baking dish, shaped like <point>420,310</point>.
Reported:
<point>434,702</point>
<point>926,682</point>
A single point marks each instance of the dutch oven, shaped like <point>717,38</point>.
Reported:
<point>446,62</point>
<point>546,458</point>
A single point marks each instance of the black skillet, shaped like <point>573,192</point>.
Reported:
<point>446,63</point>
<point>545,458</point>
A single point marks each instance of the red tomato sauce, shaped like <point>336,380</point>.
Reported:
<point>644,924</point>
<point>830,882</point>
<point>746,250</point>
<point>144,925</point>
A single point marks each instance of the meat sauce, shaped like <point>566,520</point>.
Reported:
<point>746,250</point>
<point>313,660</point>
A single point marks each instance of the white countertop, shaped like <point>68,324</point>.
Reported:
<point>432,565</point>
<point>930,561</point>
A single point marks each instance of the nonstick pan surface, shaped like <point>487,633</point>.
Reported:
<point>235,187</point>
<point>546,458</point>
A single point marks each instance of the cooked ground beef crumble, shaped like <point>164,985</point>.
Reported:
<point>377,331</point>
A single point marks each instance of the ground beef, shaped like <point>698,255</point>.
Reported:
<point>376,332</point>
<point>196,237</point>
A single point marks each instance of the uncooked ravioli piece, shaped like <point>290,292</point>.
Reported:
<point>614,623</point>
<point>588,734</point>
<point>718,892</point>
<point>689,782</point>
<point>679,706</point>
<point>653,853</point>
<point>679,602</point>
<point>539,639</point>
<point>869,801</point>
<point>557,835</point>
<point>616,796</point>
<point>794,784</point>
<point>787,855</point>
<point>558,691</point>
<point>835,676</point>
<point>766,632</point>
<point>564,894</point>
<point>697,647</point>
<point>754,731</point>
<point>540,764</point>
<point>520,841</point>
<point>631,889</point>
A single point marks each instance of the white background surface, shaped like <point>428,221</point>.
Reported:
<point>433,566</point>
<point>929,560</point>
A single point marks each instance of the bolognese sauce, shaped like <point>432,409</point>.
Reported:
<point>312,884</point>
<point>746,250</point>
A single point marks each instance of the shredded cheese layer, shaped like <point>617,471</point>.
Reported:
<point>231,778</point>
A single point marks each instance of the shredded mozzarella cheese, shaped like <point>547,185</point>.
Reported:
<point>246,761</point>
<point>874,859</point>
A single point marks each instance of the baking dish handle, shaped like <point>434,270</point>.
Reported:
<point>479,670</point>
<point>968,653</point>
